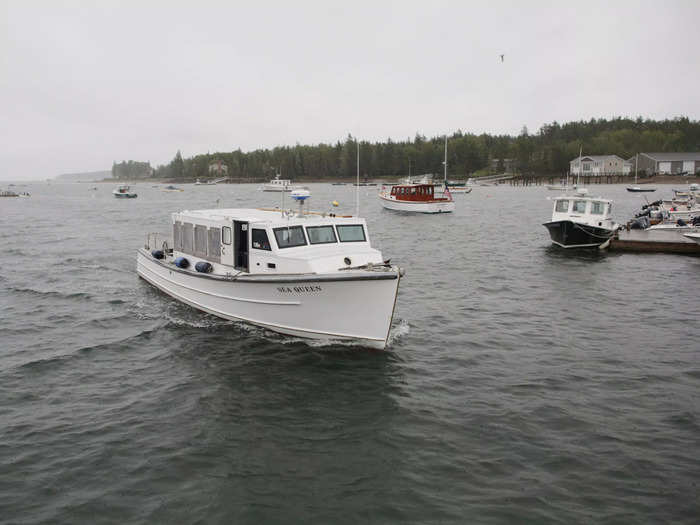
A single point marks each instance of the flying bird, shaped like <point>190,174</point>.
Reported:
<point>501,57</point>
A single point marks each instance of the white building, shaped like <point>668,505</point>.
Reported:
<point>218,168</point>
<point>592,165</point>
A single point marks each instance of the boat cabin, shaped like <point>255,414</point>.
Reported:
<point>267,241</point>
<point>415,192</point>
<point>582,209</point>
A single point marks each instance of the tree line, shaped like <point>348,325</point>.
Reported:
<point>131,169</point>
<point>548,151</point>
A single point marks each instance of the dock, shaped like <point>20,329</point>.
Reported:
<point>654,241</point>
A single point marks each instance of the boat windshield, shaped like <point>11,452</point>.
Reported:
<point>579,207</point>
<point>597,208</point>
<point>320,234</point>
<point>562,206</point>
<point>351,233</point>
<point>290,236</point>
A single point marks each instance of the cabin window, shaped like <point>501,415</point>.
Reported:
<point>214,250</point>
<point>320,234</point>
<point>260,240</point>
<point>226,235</point>
<point>562,206</point>
<point>290,236</point>
<point>187,238</point>
<point>597,207</point>
<point>200,240</point>
<point>413,191</point>
<point>579,207</point>
<point>351,233</point>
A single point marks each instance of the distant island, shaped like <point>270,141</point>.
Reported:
<point>88,176</point>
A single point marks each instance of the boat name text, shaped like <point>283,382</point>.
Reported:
<point>299,289</point>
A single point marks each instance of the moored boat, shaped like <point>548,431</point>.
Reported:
<point>304,274</point>
<point>416,197</point>
<point>124,192</point>
<point>580,221</point>
<point>278,184</point>
<point>172,188</point>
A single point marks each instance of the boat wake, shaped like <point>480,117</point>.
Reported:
<point>401,329</point>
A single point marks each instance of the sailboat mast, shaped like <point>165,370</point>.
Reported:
<point>580,166</point>
<point>445,163</point>
<point>357,186</point>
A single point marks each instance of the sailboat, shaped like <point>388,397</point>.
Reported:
<point>635,188</point>
<point>455,187</point>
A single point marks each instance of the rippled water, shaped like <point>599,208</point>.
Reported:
<point>522,384</point>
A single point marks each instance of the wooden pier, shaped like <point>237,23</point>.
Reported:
<point>654,241</point>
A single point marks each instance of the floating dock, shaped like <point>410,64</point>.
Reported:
<point>654,241</point>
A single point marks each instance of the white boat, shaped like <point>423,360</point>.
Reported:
<point>635,188</point>
<point>580,221</point>
<point>458,187</point>
<point>304,274</point>
<point>124,192</point>
<point>278,184</point>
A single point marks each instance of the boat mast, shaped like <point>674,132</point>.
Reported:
<point>580,160</point>
<point>357,186</point>
<point>445,162</point>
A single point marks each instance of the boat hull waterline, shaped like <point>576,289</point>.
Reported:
<point>568,234</point>
<point>299,305</point>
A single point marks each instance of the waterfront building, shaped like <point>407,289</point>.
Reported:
<point>668,163</point>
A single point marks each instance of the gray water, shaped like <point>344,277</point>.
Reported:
<point>522,384</point>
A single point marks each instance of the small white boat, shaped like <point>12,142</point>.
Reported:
<point>278,184</point>
<point>635,188</point>
<point>459,188</point>
<point>304,274</point>
<point>124,192</point>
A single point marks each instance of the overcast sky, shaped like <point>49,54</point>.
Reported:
<point>82,86</point>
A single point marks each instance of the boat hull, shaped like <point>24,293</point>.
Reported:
<point>418,206</point>
<point>125,195</point>
<point>357,306</point>
<point>693,237</point>
<point>569,234</point>
<point>640,190</point>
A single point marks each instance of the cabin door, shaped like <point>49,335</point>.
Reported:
<point>240,245</point>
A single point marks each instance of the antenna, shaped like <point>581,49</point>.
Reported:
<point>357,187</point>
